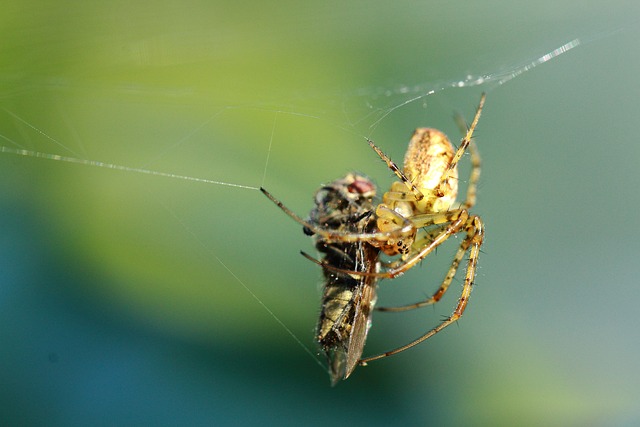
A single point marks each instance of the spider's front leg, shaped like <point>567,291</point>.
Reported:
<point>449,223</point>
<point>341,236</point>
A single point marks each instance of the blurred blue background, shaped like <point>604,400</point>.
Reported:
<point>133,299</point>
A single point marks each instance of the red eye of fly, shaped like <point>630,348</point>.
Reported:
<point>361,186</point>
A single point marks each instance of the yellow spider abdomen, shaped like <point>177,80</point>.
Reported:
<point>427,159</point>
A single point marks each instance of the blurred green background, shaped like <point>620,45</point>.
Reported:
<point>132,299</point>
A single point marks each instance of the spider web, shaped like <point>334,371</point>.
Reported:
<point>202,190</point>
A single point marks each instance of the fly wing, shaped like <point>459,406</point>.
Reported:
<point>364,300</point>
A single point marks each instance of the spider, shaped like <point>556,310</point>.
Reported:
<point>416,216</point>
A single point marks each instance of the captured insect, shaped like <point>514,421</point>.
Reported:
<point>417,215</point>
<point>345,205</point>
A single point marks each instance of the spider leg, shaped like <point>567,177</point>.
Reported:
<point>343,236</point>
<point>394,167</point>
<point>422,239</point>
<point>425,220</point>
<point>462,249</point>
<point>455,220</point>
<point>331,267</point>
<point>475,236</point>
<point>474,177</point>
<point>463,144</point>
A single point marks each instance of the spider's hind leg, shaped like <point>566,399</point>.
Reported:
<point>444,286</point>
<point>475,235</point>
